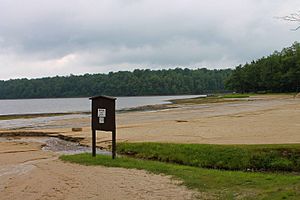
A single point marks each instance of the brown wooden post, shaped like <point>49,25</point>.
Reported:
<point>114,148</point>
<point>94,143</point>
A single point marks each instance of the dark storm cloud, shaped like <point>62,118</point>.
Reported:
<point>45,38</point>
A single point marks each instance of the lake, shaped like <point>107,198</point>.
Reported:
<point>63,105</point>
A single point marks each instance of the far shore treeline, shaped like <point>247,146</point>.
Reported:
<point>279,72</point>
<point>123,83</point>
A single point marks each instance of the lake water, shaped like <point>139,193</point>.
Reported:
<point>62,105</point>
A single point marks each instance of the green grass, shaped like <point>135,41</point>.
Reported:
<point>235,96</point>
<point>211,99</point>
<point>212,184</point>
<point>228,157</point>
<point>202,100</point>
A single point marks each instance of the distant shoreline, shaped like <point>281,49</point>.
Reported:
<point>125,110</point>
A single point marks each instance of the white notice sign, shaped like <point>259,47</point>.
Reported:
<point>101,120</point>
<point>101,112</point>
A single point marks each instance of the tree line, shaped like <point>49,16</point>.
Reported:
<point>123,83</point>
<point>278,72</point>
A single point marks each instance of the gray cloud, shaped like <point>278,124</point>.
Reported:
<point>46,38</point>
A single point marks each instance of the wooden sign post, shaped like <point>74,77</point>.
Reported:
<point>104,119</point>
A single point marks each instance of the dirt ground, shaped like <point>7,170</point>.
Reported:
<point>27,172</point>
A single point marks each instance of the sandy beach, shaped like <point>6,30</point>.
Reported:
<point>27,172</point>
<point>263,119</point>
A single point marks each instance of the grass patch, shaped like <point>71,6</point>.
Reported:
<point>228,157</point>
<point>235,96</point>
<point>147,108</point>
<point>212,184</point>
<point>211,99</point>
<point>201,100</point>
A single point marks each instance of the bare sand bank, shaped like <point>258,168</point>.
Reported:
<point>267,119</point>
<point>27,172</point>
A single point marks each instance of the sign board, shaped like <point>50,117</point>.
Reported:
<point>103,113</point>
<point>104,119</point>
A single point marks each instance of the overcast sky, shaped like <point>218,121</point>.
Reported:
<point>53,37</point>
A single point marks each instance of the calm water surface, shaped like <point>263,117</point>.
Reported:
<point>61,105</point>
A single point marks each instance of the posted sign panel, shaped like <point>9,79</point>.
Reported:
<point>103,113</point>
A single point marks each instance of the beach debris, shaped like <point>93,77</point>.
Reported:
<point>180,121</point>
<point>76,129</point>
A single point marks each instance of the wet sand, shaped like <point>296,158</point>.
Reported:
<point>27,172</point>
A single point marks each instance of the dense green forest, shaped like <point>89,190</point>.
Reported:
<point>279,72</point>
<point>123,83</point>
